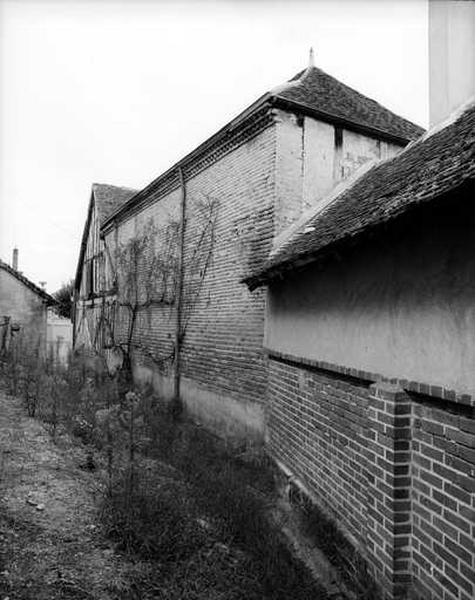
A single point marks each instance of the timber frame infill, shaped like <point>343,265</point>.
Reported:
<point>252,121</point>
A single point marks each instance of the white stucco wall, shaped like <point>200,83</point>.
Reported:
<point>403,309</point>
<point>451,55</point>
<point>309,165</point>
<point>59,336</point>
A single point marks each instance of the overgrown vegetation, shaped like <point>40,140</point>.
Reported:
<point>350,564</point>
<point>64,298</point>
<point>191,513</point>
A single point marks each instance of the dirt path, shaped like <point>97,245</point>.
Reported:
<point>50,545</point>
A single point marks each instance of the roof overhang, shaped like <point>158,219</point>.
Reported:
<point>47,298</point>
<point>279,271</point>
<point>327,117</point>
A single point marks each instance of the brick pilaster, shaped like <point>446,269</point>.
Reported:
<point>389,489</point>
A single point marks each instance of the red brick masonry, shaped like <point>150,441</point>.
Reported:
<point>396,470</point>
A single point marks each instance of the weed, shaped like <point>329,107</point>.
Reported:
<point>152,524</point>
<point>321,528</point>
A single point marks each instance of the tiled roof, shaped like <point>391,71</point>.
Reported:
<point>312,92</point>
<point>437,163</point>
<point>29,284</point>
<point>316,89</point>
<point>109,198</point>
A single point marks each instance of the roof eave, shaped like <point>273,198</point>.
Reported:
<point>49,300</point>
<point>302,108</point>
<point>279,270</point>
<point>272,273</point>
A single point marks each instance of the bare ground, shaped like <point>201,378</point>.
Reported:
<point>50,544</point>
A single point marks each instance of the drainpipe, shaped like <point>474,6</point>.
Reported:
<point>179,295</point>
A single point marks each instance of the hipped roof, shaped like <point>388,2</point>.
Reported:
<point>437,163</point>
<point>316,89</point>
<point>314,93</point>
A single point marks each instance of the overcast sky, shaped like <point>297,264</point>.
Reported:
<point>116,91</point>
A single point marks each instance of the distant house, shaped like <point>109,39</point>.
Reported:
<point>275,160</point>
<point>89,283</point>
<point>370,334</point>
<point>59,336</point>
<point>23,309</point>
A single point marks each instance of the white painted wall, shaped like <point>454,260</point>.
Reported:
<point>59,336</point>
<point>451,56</point>
<point>309,165</point>
<point>404,308</point>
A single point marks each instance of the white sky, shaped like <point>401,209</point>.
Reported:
<point>116,91</point>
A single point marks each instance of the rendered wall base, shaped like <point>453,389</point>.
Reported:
<point>226,416</point>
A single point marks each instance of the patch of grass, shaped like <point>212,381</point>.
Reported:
<point>236,494</point>
<point>151,523</point>
<point>239,554</point>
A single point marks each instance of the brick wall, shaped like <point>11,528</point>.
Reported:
<point>443,498</point>
<point>259,174</point>
<point>396,470</point>
<point>222,354</point>
<point>317,427</point>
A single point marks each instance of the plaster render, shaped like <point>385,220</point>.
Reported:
<point>59,336</point>
<point>451,56</point>
<point>24,307</point>
<point>309,163</point>
<point>403,307</point>
<point>221,413</point>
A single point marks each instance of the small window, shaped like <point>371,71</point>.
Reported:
<point>338,137</point>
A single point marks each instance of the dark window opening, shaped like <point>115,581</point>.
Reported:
<point>338,137</point>
<point>89,277</point>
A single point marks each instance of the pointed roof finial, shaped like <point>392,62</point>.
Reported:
<point>311,58</point>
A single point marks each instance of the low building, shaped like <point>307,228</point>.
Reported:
<point>230,197</point>
<point>89,283</point>
<point>59,337</point>
<point>23,309</point>
<point>370,335</point>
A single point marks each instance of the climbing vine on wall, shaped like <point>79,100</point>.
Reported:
<point>146,272</point>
